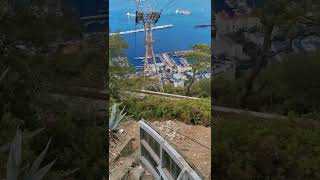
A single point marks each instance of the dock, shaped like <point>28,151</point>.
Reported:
<point>141,30</point>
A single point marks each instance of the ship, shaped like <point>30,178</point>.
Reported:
<point>131,14</point>
<point>184,12</point>
<point>202,25</point>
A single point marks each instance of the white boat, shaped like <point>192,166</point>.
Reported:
<point>184,12</point>
<point>131,14</point>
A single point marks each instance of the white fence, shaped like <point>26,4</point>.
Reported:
<point>161,159</point>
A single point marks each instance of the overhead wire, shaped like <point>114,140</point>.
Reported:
<point>167,5</point>
<point>190,138</point>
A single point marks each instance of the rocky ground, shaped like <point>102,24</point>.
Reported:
<point>197,155</point>
<point>123,154</point>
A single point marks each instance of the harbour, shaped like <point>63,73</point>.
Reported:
<point>180,37</point>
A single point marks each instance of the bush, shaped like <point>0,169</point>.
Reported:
<point>249,148</point>
<point>186,110</point>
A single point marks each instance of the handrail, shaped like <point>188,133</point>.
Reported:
<point>165,94</point>
<point>186,170</point>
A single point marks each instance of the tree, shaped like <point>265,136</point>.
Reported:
<point>199,59</point>
<point>285,17</point>
<point>116,53</point>
<point>116,46</point>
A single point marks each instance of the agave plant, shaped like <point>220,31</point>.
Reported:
<point>15,172</point>
<point>25,136</point>
<point>115,119</point>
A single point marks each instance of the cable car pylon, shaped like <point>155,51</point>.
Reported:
<point>148,17</point>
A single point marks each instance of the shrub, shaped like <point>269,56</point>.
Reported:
<point>186,110</point>
<point>248,148</point>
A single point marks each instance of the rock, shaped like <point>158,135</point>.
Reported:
<point>121,130</point>
<point>136,172</point>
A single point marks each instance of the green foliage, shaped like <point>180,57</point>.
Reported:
<point>14,169</point>
<point>116,117</point>
<point>77,139</point>
<point>170,89</point>
<point>77,142</point>
<point>85,68</point>
<point>200,57</point>
<point>201,88</point>
<point>186,110</point>
<point>292,85</point>
<point>226,92</point>
<point>199,60</point>
<point>117,74</point>
<point>116,46</point>
<point>250,148</point>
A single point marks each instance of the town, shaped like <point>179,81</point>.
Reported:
<point>172,66</point>
<point>234,31</point>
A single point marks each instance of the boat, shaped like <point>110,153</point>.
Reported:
<point>202,25</point>
<point>131,14</point>
<point>184,12</point>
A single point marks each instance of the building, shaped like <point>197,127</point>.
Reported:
<point>224,69</point>
<point>225,46</point>
<point>226,23</point>
<point>178,80</point>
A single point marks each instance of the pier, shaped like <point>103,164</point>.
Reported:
<point>103,16</point>
<point>141,30</point>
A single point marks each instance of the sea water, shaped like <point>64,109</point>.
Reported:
<point>179,37</point>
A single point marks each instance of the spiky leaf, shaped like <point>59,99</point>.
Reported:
<point>36,164</point>
<point>43,171</point>
<point>14,157</point>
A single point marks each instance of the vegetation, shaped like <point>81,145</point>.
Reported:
<point>117,72</point>
<point>246,147</point>
<point>282,21</point>
<point>14,169</point>
<point>199,59</point>
<point>280,88</point>
<point>33,62</point>
<point>251,148</point>
<point>189,111</point>
<point>115,119</point>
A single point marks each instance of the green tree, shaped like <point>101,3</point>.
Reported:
<point>280,18</point>
<point>199,59</point>
<point>118,72</point>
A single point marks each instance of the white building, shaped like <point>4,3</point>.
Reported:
<point>179,76</point>
<point>178,83</point>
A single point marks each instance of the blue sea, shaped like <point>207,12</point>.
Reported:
<point>180,37</point>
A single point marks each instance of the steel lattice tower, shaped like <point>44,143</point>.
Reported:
<point>148,17</point>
